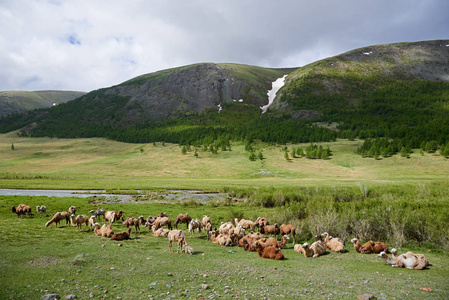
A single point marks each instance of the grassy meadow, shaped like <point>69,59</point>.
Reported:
<point>36,260</point>
<point>404,202</point>
<point>105,164</point>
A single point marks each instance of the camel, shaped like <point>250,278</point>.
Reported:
<point>357,245</point>
<point>334,244</point>
<point>408,260</point>
<point>373,247</point>
<point>319,247</point>
<point>304,249</point>
<point>179,237</point>
<point>105,231</point>
<point>268,252</point>
<point>245,224</point>
<point>183,219</point>
<point>79,220</point>
<point>288,229</point>
<point>130,222</point>
<point>205,220</point>
<point>57,217</point>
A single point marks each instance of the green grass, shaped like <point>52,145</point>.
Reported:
<point>104,164</point>
<point>35,260</point>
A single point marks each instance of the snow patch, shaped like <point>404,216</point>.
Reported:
<point>276,86</point>
<point>219,108</point>
<point>240,100</point>
<point>367,53</point>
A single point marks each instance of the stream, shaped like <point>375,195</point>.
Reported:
<point>168,196</point>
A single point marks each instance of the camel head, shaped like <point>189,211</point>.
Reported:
<point>255,244</point>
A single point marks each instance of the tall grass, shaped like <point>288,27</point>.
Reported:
<point>398,215</point>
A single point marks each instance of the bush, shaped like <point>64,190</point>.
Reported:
<point>404,215</point>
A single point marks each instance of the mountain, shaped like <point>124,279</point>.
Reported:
<point>12,102</point>
<point>368,69</point>
<point>189,89</point>
<point>395,90</point>
<point>399,91</point>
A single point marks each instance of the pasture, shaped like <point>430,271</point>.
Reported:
<point>103,164</point>
<point>36,260</point>
<point>401,201</point>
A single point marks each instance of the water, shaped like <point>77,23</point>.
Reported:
<point>54,193</point>
<point>170,196</point>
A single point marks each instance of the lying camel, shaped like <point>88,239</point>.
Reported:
<point>304,249</point>
<point>268,252</point>
<point>408,260</point>
<point>373,247</point>
<point>105,231</point>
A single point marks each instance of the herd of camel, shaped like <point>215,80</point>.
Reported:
<point>243,233</point>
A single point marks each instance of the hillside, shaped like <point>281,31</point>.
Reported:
<point>12,102</point>
<point>399,91</point>
<point>396,90</point>
<point>171,93</point>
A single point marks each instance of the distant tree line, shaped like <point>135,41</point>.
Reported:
<point>413,112</point>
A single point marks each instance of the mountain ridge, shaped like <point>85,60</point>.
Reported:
<point>394,90</point>
<point>21,101</point>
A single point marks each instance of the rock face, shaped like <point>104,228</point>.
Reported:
<point>191,89</point>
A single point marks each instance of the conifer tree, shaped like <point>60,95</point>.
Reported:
<point>404,152</point>
<point>252,156</point>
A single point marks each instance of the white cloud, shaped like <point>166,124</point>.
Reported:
<point>85,45</point>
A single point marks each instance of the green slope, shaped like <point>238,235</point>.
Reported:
<point>20,101</point>
<point>396,90</point>
<point>164,96</point>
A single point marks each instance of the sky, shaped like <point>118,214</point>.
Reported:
<point>83,45</point>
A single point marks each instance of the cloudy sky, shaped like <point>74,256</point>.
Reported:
<point>84,45</point>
